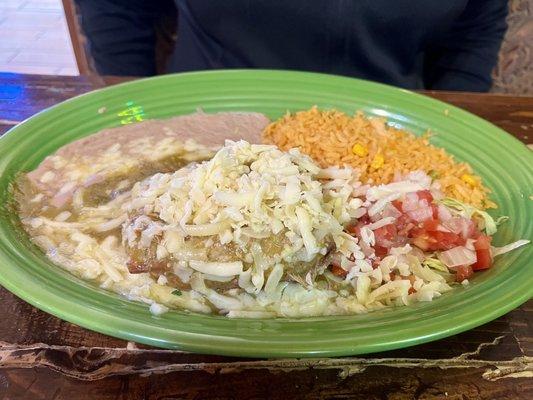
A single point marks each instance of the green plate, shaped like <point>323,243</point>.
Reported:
<point>504,163</point>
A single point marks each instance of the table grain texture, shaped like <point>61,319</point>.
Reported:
<point>43,357</point>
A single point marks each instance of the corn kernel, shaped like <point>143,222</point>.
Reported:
<point>359,150</point>
<point>377,162</point>
<point>469,179</point>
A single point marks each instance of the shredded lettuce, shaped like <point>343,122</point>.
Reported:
<point>501,220</point>
<point>496,251</point>
<point>440,267</point>
<point>469,211</point>
<point>435,263</point>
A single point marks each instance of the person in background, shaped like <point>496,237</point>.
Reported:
<point>415,44</point>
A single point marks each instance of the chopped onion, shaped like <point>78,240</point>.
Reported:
<point>419,177</point>
<point>470,244</point>
<point>459,255</point>
<point>444,213</point>
<point>411,202</point>
<point>421,214</point>
<point>458,225</point>
<point>391,211</point>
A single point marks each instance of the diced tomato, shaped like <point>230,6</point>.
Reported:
<point>405,231</point>
<point>403,219</point>
<point>425,195</point>
<point>431,225</point>
<point>355,228</point>
<point>385,234</point>
<point>380,251</point>
<point>404,224</point>
<point>365,219</point>
<point>474,233</point>
<point>411,290</point>
<point>416,231</point>
<point>448,240</point>
<point>463,272</point>
<point>435,240</point>
<point>435,210</point>
<point>400,240</point>
<point>422,240</point>
<point>338,270</point>
<point>398,204</point>
<point>386,237</point>
<point>483,242</point>
<point>484,260</point>
<point>484,257</point>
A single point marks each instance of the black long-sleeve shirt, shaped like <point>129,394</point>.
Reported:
<point>431,44</point>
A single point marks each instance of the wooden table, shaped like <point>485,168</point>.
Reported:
<point>42,357</point>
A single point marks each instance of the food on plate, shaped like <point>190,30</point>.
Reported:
<point>249,230</point>
<point>121,156</point>
<point>379,151</point>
